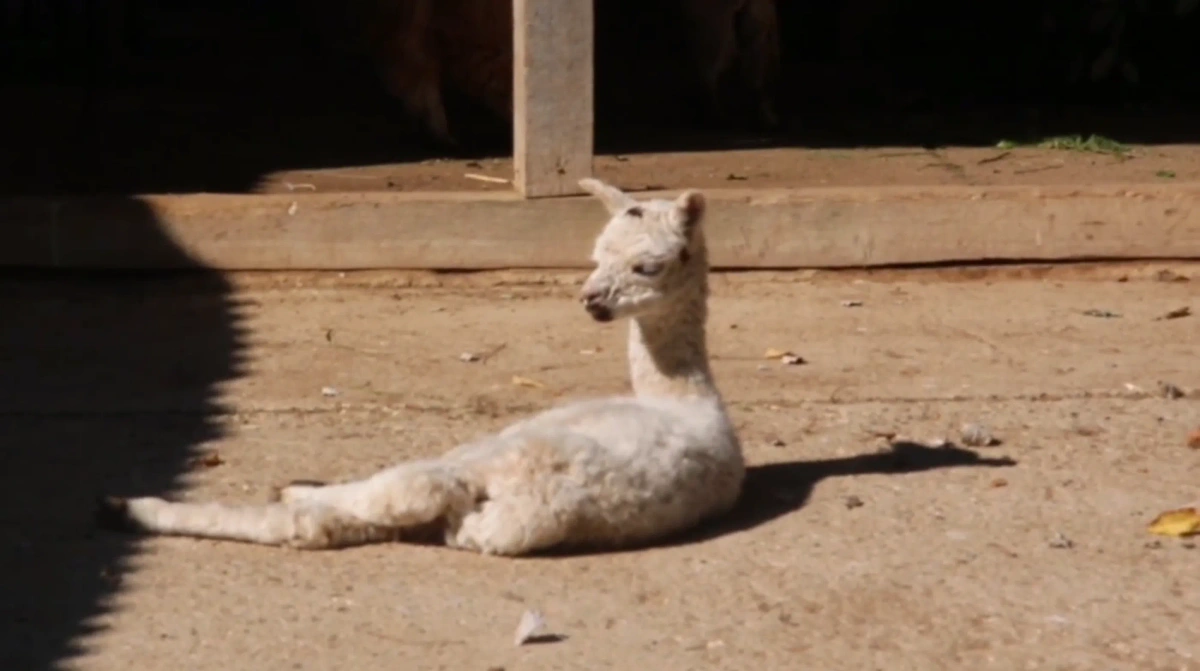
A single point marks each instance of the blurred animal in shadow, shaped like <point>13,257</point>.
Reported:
<point>649,54</point>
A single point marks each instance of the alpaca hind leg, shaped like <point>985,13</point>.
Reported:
<point>299,526</point>
<point>404,496</point>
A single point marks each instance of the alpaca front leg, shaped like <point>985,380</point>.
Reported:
<point>299,526</point>
<point>511,527</point>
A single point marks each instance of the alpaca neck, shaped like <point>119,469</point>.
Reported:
<point>668,354</point>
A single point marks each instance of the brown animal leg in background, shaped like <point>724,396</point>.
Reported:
<point>714,46</point>
<point>411,69</point>
<point>758,38</point>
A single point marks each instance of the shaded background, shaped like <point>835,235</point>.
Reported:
<point>111,381</point>
<point>146,95</point>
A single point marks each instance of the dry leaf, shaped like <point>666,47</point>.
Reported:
<point>1061,542</point>
<point>1170,391</point>
<point>1178,523</point>
<point>784,356</point>
<point>207,460</point>
<point>531,624</point>
<point>1177,313</point>
<point>1167,275</point>
<point>1193,440</point>
<point>526,382</point>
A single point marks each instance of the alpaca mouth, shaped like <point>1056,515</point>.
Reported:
<point>599,312</point>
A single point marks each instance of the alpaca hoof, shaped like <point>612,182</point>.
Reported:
<point>112,514</point>
<point>276,493</point>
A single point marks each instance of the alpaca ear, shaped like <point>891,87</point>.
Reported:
<point>690,207</point>
<point>614,199</point>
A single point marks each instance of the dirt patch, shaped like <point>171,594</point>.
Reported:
<point>846,553</point>
<point>782,168</point>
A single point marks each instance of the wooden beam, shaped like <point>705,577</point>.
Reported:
<point>747,228</point>
<point>552,95</point>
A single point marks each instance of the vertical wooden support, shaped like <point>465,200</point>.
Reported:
<point>552,95</point>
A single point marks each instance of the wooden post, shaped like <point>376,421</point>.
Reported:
<point>552,95</point>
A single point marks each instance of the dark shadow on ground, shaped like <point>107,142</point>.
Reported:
<point>110,383</point>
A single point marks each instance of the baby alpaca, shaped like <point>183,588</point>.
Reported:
<point>596,474</point>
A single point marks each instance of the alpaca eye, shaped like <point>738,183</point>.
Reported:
<point>648,269</point>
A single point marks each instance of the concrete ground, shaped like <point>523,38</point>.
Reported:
<point>847,553</point>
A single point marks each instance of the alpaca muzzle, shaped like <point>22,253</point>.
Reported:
<point>594,303</point>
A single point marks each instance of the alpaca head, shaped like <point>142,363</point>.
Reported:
<point>649,252</point>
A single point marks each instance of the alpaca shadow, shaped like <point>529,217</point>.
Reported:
<point>774,490</point>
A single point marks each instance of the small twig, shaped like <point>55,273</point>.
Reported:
<point>360,350</point>
<point>483,358</point>
<point>992,159</point>
<point>1026,171</point>
<point>485,178</point>
<point>1012,360</point>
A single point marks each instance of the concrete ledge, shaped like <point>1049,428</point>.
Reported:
<point>748,228</point>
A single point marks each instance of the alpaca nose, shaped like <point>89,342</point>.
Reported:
<point>593,302</point>
<point>592,296</point>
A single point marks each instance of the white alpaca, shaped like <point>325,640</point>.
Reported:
<point>596,474</point>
